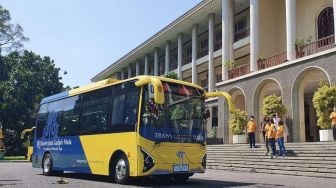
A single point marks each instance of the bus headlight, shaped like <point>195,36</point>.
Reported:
<point>148,161</point>
<point>203,162</point>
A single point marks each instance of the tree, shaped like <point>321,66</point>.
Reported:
<point>11,36</point>
<point>324,100</point>
<point>172,75</point>
<point>273,104</point>
<point>24,80</point>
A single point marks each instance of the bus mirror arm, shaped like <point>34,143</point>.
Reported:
<point>222,94</point>
<point>157,85</point>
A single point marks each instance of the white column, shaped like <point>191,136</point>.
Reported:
<point>231,29</point>
<point>291,28</point>
<point>137,67</point>
<point>225,37</point>
<point>156,61</point>
<point>129,71</point>
<point>211,75</point>
<point>122,74</point>
<point>254,37</point>
<point>194,37</point>
<point>146,64</point>
<point>334,8</point>
<point>167,57</point>
<point>179,55</point>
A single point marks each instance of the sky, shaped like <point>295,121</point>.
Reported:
<point>84,37</point>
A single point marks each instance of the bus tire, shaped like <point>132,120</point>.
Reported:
<point>121,169</point>
<point>47,165</point>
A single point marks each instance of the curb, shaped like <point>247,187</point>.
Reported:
<point>14,161</point>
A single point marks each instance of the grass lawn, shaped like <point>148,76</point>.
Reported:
<point>9,158</point>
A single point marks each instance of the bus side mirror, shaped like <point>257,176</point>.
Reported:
<point>156,88</point>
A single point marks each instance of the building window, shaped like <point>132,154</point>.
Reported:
<point>214,117</point>
<point>240,29</point>
<point>218,78</point>
<point>325,23</point>
<point>204,83</point>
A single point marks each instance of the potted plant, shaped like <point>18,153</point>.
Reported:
<point>229,65</point>
<point>261,64</point>
<point>299,46</point>
<point>324,100</point>
<point>237,126</point>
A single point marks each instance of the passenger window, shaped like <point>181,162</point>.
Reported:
<point>94,112</point>
<point>124,107</point>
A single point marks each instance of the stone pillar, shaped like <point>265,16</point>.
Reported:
<point>137,67</point>
<point>156,61</point>
<point>291,28</point>
<point>225,36</point>
<point>129,71</point>
<point>122,74</point>
<point>194,36</point>
<point>167,57</point>
<point>211,68</point>
<point>179,55</point>
<point>334,8</point>
<point>146,64</point>
<point>254,37</point>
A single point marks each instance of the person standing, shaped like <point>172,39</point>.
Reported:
<point>276,120</point>
<point>266,128</point>
<point>280,138</point>
<point>251,128</point>
<point>333,122</point>
<point>271,134</point>
<point>2,137</point>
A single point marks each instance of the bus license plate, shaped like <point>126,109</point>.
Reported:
<point>181,168</point>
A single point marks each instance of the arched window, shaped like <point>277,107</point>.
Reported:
<point>325,23</point>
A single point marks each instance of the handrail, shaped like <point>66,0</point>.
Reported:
<point>222,94</point>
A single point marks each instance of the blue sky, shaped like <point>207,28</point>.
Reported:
<point>86,36</point>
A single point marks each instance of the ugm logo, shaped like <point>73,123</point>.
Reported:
<point>51,128</point>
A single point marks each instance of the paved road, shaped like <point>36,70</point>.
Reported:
<point>23,175</point>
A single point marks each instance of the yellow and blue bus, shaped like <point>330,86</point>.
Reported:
<point>142,126</point>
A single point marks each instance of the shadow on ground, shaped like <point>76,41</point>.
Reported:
<point>159,182</point>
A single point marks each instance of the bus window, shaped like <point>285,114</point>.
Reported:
<point>95,109</point>
<point>124,107</point>
<point>41,120</point>
<point>69,125</point>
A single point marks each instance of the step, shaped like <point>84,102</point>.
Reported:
<point>284,172</point>
<point>276,166</point>
<point>285,160</point>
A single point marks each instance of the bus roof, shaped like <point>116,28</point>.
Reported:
<point>106,83</point>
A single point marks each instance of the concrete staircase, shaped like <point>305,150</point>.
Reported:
<point>316,159</point>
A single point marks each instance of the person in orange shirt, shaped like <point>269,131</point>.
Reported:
<point>251,129</point>
<point>280,138</point>
<point>271,134</point>
<point>266,128</point>
<point>333,122</point>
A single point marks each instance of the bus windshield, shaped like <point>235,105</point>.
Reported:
<point>179,119</point>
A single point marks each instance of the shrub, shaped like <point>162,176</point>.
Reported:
<point>324,100</point>
<point>273,104</point>
<point>238,122</point>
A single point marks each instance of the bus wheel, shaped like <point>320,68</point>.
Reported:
<point>121,170</point>
<point>180,178</point>
<point>47,165</point>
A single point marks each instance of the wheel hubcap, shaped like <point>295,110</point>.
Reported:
<point>120,169</point>
<point>46,165</point>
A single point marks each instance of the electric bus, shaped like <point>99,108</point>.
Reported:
<point>142,126</point>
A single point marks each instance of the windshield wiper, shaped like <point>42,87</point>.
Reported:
<point>183,100</point>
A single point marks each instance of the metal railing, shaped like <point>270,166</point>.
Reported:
<point>272,61</point>
<point>315,47</point>
<point>239,71</point>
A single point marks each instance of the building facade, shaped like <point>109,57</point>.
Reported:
<point>250,49</point>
